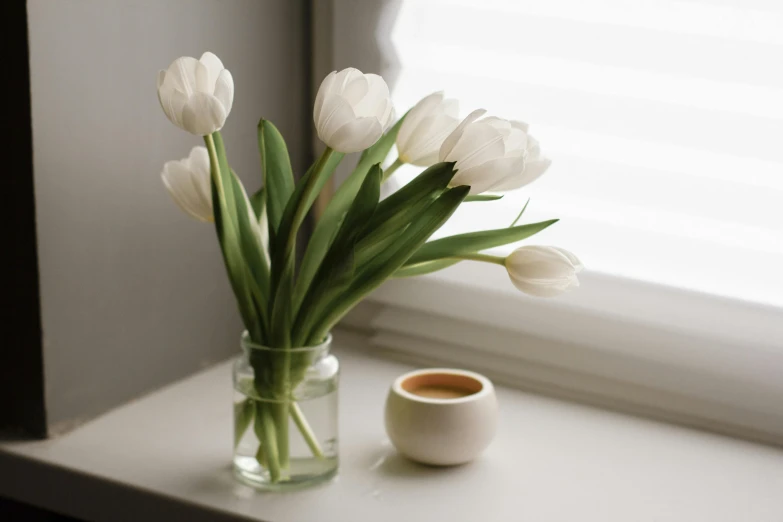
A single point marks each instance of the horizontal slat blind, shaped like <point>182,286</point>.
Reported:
<point>664,120</point>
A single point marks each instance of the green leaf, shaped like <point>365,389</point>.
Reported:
<point>232,257</point>
<point>401,208</point>
<point>384,235</point>
<point>483,197</point>
<point>326,227</point>
<point>257,201</point>
<point>383,266</point>
<point>227,225</point>
<point>476,241</point>
<point>243,415</point>
<point>426,185</point>
<point>519,216</point>
<point>284,245</point>
<point>248,234</point>
<point>277,174</point>
<point>337,268</point>
<point>427,267</point>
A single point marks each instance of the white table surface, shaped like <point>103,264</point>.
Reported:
<point>551,461</point>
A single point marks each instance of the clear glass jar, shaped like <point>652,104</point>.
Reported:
<point>285,415</point>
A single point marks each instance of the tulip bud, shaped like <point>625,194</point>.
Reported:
<point>188,182</point>
<point>543,271</point>
<point>352,110</point>
<point>196,95</point>
<point>493,154</point>
<point>424,129</point>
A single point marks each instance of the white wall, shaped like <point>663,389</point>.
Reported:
<point>133,292</point>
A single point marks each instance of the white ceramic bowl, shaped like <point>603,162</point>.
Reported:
<point>441,431</point>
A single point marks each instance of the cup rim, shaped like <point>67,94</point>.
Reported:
<point>486,386</point>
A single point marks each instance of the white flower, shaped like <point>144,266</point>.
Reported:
<point>188,182</point>
<point>352,110</point>
<point>543,271</point>
<point>424,129</point>
<point>196,95</point>
<point>493,154</point>
<point>535,165</point>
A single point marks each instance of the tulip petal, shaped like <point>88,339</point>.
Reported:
<point>542,271</point>
<point>172,102</point>
<point>453,138</point>
<point>544,288</point>
<point>348,97</point>
<point>181,74</point>
<point>497,123</point>
<point>336,112</point>
<point>202,79</point>
<point>531,172</point>
<point>482,178</point>
<point>376,101</point>
<point>515,141</point>
<point>198,162</point>
<point>213,66</point>
<point>479,143</point>
<point>203,114</point>
<point>421,110</point>
<point>425,142</point>
<point>323,90</point>
<point>224,90</point>
<point>181,184</point>
<point>356,135</point>
<point>539,262</point>
<point>577,264</point>
<point>533,149</point>
<point>343,78</point>
<point>356,90</point>
<point>387,116</point>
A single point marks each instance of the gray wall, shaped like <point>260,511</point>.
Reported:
<point>133,292</point>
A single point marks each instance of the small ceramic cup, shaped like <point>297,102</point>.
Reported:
<point>441,416</point>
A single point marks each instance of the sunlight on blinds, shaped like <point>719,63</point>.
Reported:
<point>664,121</point>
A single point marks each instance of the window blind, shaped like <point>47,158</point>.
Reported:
<point>664,120</point>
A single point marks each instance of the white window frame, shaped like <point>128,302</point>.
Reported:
<point>649,349</point>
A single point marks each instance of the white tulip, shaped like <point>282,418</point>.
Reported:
<point>493,154</point>
<point>352,110</point>
<point>424,129</point>
<point>188,182</point>
<point>196,95</point>
<point>543,271</point>
<point>535,165</point>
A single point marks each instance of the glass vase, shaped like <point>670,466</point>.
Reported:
<point>285,415</point>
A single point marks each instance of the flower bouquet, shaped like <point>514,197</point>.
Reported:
<point>289,301</point>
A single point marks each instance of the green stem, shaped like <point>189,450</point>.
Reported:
<point>215,171</point>
<point>393,167</point>
<point>270,442</point>
<point>485,258</point>
<point>306,431</point>
<point>301,210</point>
<point>280,413</point>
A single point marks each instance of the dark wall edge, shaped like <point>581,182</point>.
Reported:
<point>22,398</point>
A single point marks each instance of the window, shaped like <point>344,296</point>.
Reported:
<point>664,121</point>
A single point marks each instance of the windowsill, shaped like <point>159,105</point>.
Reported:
<point>165,457</point>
